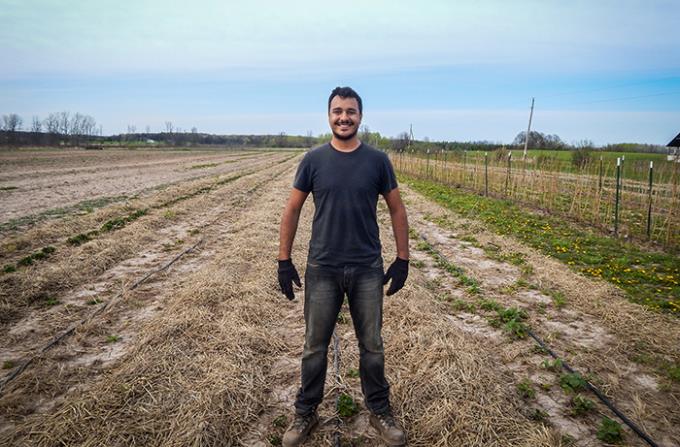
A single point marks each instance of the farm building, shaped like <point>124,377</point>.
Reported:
<point>674,149</point>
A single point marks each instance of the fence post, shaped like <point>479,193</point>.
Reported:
<point>649,208</point>
<point>446,167</point>
<point>486,174</point>
<point>464,176</point>
<point>507,177</point>
<point>600,181</point>
<point>618,189</point>
<point>427,166</point>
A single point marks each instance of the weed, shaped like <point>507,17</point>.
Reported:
<point>51,301</point>
<point>25,261</point>
<point>459,304</point>
<point>609,431</point>
<point>7,364</point>
<point>581,405</point>
<point>48,250</point>
<point>94,301</point>
<point>516,329</point>
<point>169,214</point>
<point>490,305</point>
<point>568,440</point>
<point>412,233</point>
<point>674,372</point>
<point>572,382</point>
<point>346,406</point>
<point>120,222</point>
<point>274,439</point>
<point>280,421</point>
<point>112,338</point>
<point>471,239</point>
<point>194,231</point>
<point>342,318</point>
<point>205,165</point>
<point>526,389</point>
<point>9,268</point>
<point>80,238</point>
<point>417,263</point>
<point>539,415</point>
<point>553,365</point>
<point>353,372</point>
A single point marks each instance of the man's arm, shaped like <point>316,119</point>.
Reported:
<point>399,222</point>
<point>289,222</point>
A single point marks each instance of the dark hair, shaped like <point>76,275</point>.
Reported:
<point>345,92</point>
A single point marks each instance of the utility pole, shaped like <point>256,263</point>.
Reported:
<point>526,140</point>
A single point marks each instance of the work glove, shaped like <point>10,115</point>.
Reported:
<point>287,276</point>
<point>398,272</point>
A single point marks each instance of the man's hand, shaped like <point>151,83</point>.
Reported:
<point>398,272</point>
<point>287,276</point>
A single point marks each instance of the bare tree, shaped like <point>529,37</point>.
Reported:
<point>11,122</point>
<point>194,130</point>
<point>36,126</point>
<point>51,123</point>
<point>64,122</point>
<point>168,126</point>
<point>147,129</point>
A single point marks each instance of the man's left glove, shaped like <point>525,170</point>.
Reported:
<point>287,276</point>
<point>398,272</point>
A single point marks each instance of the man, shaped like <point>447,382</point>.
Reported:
<point>345,177</point>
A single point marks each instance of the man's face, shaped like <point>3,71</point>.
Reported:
<point>344,117</point>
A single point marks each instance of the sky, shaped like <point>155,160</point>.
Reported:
<point>605,71</point>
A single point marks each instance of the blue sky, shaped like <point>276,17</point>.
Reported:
<point>608,71</point>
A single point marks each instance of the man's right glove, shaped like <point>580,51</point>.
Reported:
<point>287,276</point>
<point>398,272</point>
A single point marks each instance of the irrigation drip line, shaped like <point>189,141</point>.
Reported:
<point>14,374</point>
<point>336,366</point>
<point>569,369</point>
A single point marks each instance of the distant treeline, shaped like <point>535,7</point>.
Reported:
<point>78,130</point>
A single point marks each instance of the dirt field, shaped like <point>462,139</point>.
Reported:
<point>167,327</point>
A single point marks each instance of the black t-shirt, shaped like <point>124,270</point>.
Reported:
<point>345,187</point>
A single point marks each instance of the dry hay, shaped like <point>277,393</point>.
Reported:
<point>68,268</point>
<point>201,371</point>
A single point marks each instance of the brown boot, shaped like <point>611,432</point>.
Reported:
<point>299,429</point>
<point>389,429</point>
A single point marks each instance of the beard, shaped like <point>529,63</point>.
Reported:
<point>347,136</point>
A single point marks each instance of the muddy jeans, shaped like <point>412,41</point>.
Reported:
<point>325,289</point>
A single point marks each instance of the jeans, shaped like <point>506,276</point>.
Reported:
<point>325,288</point>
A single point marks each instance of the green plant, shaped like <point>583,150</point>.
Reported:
<point>539,415</point>
<point>48,250</point>
<point>94,301</point>
<point>78,239</point>
<point>609,431</point>
<point>342,318</point>
<point>25,261</point>
<point>417,263</point>
<point>51,301</point>
<point>346,406</point>
<point>489,304</point>
<point>7,364</point>
<point>526,389</point>
<point>572,382</point>
<point>553,365</point>
<point>112,338</point>
<point>274,439</point>
<point>9,268</point>
<point>353,372</point>
<point>280,421</point>
<point>581,405</point>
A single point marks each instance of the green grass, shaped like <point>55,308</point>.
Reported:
<point>205,165</point>
<point>526,389</point>
<point>346,406</point>
<point>648,278</point>
<point>8,364</point>
<point>119,222</point>
<point>112,338</point>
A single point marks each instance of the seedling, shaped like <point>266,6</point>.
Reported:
<point>7,364</point>
<point>9,268</point>
<point>274,439</point>
<point>552,365</point>
<point>609,431</point>
<point>28,260</point>
<point>581,405</point>
<point>48,250</point>
<point>489,304</point>
<point>112,338</point>
<point>526,389</point>
<point>51,301</point>
<point>417,263</point>
<point>572,382</point>
<point>280,421</point>
<point>346,406</point>
<point>78,239</point>
<point>539,415</point>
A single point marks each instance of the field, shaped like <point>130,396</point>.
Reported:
<point>139,306</point>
